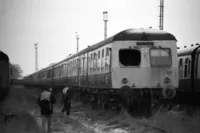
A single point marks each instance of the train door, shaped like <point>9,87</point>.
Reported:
<point>108,64</point>
<point>187,74</point>
<point>110,67</point>
<point>181,68</point>
<point>197,74</point>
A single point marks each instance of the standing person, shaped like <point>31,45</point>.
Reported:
<point>46,101</point>
<point>67,101</point>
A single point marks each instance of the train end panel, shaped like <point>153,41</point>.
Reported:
<point>146,66</point>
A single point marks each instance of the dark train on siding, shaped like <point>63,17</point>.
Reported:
<point>189,75</point>
<point>4,74</point>
<point>135,67</point>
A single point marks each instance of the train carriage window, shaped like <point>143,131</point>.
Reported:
<point>98,54</point>
<point>160,57</point>
<point>96,59</point>
<point>130,57</point>
<point>180,68</point>
<point>102,52</point>
<point>80,66</point>
<point>102,60</point>
<point>77,63</point>
<point>83,59</point>
<point>189,68</point>
<point>49,73</point>
<point>76,66</point>
<point>88,58</point>
<point>186,68</point>
<point>42,75</point>
<point>64,70</point>
<point>94,56</point>
<point>94,62</point>
<point>60,72</point>
<point>55,72</point>
<point>180,63</point>
<point>91,60</point>
<point>107,51</point>
<point>70,70</point>
<point>86,63</point>
<point>73,66</point>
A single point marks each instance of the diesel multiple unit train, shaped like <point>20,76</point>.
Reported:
<point>135,67</point>
<point>189,74</point>
<point>4,74</point>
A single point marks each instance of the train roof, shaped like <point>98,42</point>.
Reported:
<point>129,35</point>
<point>141,34</point>
<point>3,56</point>
<point>187,50</point>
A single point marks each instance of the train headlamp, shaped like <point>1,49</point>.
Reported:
<point>169,92</point>
<point>167,80</point>
<point>124,80</point>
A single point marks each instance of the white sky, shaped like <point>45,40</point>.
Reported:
<point>53,23</point>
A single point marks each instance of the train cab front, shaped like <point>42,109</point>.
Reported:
<point>146,67</point>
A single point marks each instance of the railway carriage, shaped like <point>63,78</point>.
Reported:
<point>135,67</point>
<point>4,74</point>
<point>189,75</point>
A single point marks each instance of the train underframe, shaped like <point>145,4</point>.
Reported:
<point>137,102</point>
<point>186,101</point>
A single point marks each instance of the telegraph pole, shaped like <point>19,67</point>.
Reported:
<point>36,56</point>
<point>105,19</point>
<point>161,17</point>
<point>77,38</point>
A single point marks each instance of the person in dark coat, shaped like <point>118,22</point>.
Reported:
<point>46,101</point>
<point>67,101</point>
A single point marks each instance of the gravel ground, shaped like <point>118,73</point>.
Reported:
<point>22,102</point>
